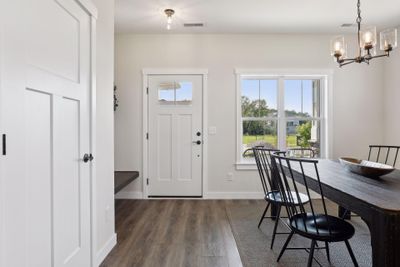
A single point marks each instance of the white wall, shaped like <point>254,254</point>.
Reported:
<point>357,94</point>
<point>104,157</point>
<point>392,99</point>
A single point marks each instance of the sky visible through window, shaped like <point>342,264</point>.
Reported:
<point>183,93</point>
<point>268,90</point>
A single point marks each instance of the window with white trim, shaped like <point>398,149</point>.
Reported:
<point>282,112</point>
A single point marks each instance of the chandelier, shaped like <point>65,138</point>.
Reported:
<point>367,41</point>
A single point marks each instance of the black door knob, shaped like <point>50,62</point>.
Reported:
<point>198,142</point>
<point>86,158</point>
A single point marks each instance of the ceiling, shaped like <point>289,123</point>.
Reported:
<point>253,16</point>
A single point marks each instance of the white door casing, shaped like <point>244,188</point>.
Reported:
<point>175,135</point>
<point>46,114</point>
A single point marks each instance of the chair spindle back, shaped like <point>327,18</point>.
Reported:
<point>288,171</point>
<point>382,152</point>
<point>263,161</point>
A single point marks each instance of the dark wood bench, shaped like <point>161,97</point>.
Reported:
<point>123,178</point>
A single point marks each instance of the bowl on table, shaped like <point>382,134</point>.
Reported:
<point>366,168</point>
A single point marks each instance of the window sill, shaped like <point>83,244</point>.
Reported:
<point>246,166</point>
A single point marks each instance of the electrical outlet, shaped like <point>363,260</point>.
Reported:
<point>229,176</point>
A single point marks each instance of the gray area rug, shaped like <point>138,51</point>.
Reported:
<point>254,243</point>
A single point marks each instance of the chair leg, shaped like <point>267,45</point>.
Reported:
<point>311,256</point>
<point>353,258</point>
<point>276,225</point>
<point>327,251</point>
<point>263,216</point>
<point>285,245</point>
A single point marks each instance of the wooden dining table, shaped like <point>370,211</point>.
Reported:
<point>376,201</point>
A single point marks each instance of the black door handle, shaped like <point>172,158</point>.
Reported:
<point>198,142</point>
<point>87,157</point>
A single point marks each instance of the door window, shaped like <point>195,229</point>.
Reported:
<point>175,93</point>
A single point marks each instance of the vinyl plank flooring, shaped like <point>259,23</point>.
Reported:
<point>216,261</point>
<point>187,233</point>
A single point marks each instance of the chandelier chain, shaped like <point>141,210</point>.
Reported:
<point>359,11</point>
<point>359,27</point>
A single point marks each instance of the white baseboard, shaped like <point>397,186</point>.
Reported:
<point>244,195</point>
<point>208,195</point>
<point>129,195</point>
<point>234,195</point>
<point>105,250</point>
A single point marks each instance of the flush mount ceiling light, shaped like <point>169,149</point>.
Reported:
<point>169,12</point>
<point>367,42</point>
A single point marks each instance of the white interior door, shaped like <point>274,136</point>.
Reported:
<point>45,109</point>
<point>175,135</point>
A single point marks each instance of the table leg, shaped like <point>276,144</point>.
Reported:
<point>344,213</point>
<point>274,187</point>
<point>274,211</point>
<point>385,240</point>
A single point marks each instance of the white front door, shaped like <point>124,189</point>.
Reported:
<point>175,135</point>
<point>45,112</point>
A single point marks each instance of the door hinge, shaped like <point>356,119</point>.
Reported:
<point>147,90</point>
<point>4,138</point>
<point>147,136</point>
<point>147,181</point>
